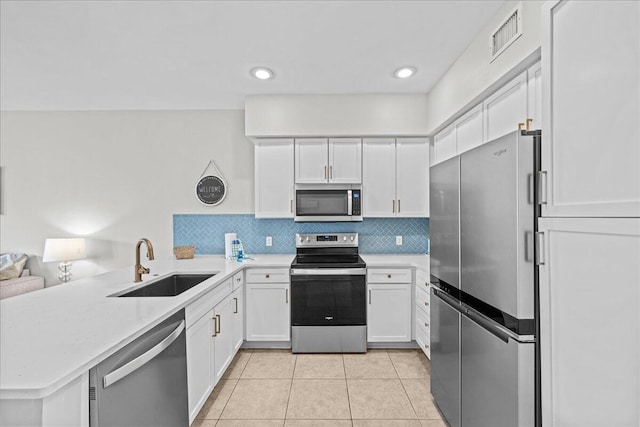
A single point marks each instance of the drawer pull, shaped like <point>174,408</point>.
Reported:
<point>388,276</point>
<point>218,324</point>
<point>236,309</point>
<point>266,275</point>
<point>426,346</point>
<point>215,327</point>
<point>426,325</point>
<point>238,279</point>
<point>426,303</point>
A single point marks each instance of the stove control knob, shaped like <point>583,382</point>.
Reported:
<point>307,238</point>
<point>301,239</point>
<point>352,238</point>
<point>344,238</point>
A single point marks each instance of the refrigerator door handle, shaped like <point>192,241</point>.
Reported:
<point>484,324</point>
<point>450,301</point>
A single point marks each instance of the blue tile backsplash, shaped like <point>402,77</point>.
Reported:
<point>377,235</point>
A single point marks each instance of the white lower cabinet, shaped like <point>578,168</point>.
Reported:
<point>200,362</point>
<point>223,345</point>
<point>237,299</point>
<point>389,312</point>
<point>212,341</point>
<point>267,305</point>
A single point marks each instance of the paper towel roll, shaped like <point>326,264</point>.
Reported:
<point>228,238</point>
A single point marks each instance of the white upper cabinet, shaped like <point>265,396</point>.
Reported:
<point>379,180</point>
<point>468,130</point>
<point>311,161</point>
<point>322,160</point>
<point>506,108</point>
<point>412,177</point>
<point>591,105</point>
<point>274,178</point>
<point>444,144</point>
<point>345,160</point>
<point>395,177</point>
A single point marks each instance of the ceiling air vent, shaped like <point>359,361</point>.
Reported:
<point>507,33</point>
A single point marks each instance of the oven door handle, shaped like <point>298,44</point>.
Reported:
<point>328,271</point>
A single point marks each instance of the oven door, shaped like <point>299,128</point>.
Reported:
<point>328,297</point>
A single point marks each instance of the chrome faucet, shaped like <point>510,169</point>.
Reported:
<point>139,269</point>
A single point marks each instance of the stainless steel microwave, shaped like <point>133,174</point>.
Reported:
<point>328,203</point>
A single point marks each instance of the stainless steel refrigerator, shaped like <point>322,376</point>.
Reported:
<point>484,284</point>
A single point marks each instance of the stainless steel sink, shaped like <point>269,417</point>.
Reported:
<point>169,286</point>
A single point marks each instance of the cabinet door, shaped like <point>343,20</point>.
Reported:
<point>274,179</point>
<point>200,364</point>
<point>223,336</point>
<point>506,108</point>
<point>389,312</point>
<point>469,130</point>
<point>345,160</point>
<point>412,177</point>
<point>444,144</point>
<point>591,105</point>
<point>268,312</point>
<point>237,299</point>
<point>311,160</point>
<point>589,305</point>
<point>379,177</point>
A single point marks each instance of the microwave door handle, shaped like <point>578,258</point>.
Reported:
<point>349,202</point>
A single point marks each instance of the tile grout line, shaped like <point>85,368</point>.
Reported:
<point>405,390</point>
<point>344,369</point>
<point>234,388</point>
<point>293,374</point>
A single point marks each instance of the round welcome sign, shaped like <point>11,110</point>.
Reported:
<point>211,190</point>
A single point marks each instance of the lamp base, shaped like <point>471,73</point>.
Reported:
<point>65,271</point>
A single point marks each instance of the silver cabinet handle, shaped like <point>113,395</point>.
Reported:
<point>291,205</point>
<point>236,309</point>
<point>398,205</point>
<point>393,206</point>
<point>286,296</point>
<point>218,324</point>
<point>325,172</point>
<point>330,172</point>
<point>115,376</point>
<point>369,296</point>
<point>215,326</point>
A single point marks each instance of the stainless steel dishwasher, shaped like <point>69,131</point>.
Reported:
<point>145,383</point>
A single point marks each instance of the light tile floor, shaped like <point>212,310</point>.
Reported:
<point>382,388</point>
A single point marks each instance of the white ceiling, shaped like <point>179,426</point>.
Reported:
<point>166,55</point>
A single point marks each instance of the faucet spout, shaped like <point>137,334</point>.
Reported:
<point>139,269</point>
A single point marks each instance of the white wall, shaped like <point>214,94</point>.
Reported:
<point>113,177</point>
<point>472,75</point>
<point>336,115</point>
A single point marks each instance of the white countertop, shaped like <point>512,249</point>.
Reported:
<point>52,336</point>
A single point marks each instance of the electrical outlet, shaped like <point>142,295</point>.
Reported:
<point>269,241</point>
<point>399,240</point>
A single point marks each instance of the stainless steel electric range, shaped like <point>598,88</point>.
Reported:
<point>328,295</point>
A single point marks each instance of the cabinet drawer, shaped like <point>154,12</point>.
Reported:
<point>199,308</point>
<point>423,340</point>
<point>422,279</point>
<point>267,275</point>
<point>238,280</point>
<point>389,275</point>
<point>423,300</point>
<point>423,320</point>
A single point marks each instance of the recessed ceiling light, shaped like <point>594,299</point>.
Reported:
<point>262,73</point>
<point>404,72</point>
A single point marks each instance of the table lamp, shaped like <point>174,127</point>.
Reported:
<point>64,250</point>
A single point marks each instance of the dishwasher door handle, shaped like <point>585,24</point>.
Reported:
<point>143,359</point>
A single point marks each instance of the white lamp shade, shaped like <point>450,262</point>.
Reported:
<point>64,249</point>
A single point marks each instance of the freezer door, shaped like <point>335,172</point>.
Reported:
<point>497,380</point>
<point>445,359</point>
<point>497,224</point>
<point>444,198</point>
